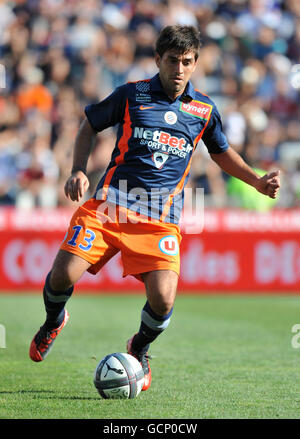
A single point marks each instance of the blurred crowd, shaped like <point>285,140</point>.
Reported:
<point>60,55</point>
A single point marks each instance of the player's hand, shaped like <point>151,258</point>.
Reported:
<point>76,186</point>
<point>269,184</point>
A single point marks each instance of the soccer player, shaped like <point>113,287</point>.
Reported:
<point>137,203</point>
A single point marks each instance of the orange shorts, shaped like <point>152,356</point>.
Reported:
<point>98,231</point>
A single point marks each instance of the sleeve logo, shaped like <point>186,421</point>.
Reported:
<point>197,109</point>
<point>142,92</point>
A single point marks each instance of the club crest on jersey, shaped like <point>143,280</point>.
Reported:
<point>196,108</point>
<point>169,245</point>
<point>170,117</point>
<point>159,159</point>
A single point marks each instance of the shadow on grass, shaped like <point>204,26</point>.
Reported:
<point>15,392</point>
<point>53,395</point>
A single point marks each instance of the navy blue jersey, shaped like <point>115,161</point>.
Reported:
<point>156,138</point>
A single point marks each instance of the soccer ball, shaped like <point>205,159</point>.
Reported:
<point>119,376</point>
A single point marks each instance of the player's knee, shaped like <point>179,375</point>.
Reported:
<point>164,306</point>
<point>60,280</point>
<point>67,270</point>
<point>161,290</point>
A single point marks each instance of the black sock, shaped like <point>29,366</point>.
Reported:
<point>55,304</point>
<point>152,325</point>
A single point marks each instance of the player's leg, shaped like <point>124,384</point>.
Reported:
<point>80,251</point>
<point>161,287</point>
<point>66,271</point>
<point>150,252</point>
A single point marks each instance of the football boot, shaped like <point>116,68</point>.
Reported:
<point>43,340</point>
<point>143,358</point>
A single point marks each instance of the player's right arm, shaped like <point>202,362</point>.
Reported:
<point>78,183</point>
<point>100,116</point>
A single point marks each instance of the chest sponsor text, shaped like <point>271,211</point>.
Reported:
<point>196,108</point>
<point>163,141</point>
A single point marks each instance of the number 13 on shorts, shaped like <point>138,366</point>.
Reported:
<point>89,237</point>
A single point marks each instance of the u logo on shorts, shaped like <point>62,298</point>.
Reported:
<point>169,245</point>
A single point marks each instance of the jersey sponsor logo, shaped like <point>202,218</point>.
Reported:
<point>169,245</point>
<point>142,107</point>
<point>159,159</point>
<point>162,141</point>
<point>170,117</point>
<point>196,108</point>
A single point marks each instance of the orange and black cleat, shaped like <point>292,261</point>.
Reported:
<point>143,358</point>
<point>43,340</point>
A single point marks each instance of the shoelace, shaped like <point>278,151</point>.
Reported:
<point>43,337</point>
<point>144,358</point>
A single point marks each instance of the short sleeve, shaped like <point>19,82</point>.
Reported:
<point>108,112</point>
<point>213,136</point>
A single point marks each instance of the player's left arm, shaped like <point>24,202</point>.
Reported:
<point>233,164</point>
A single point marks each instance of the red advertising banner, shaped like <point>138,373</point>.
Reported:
<point>233,251</point>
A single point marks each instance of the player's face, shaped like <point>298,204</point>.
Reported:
<point>175,71</point>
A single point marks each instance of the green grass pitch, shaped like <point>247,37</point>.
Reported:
<point>223,356</point>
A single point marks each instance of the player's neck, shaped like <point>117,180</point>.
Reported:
<point>173,95</point>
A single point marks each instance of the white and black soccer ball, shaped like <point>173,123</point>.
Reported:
<point>120,376</point>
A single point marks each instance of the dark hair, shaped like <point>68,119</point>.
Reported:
<point>179,38</point>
